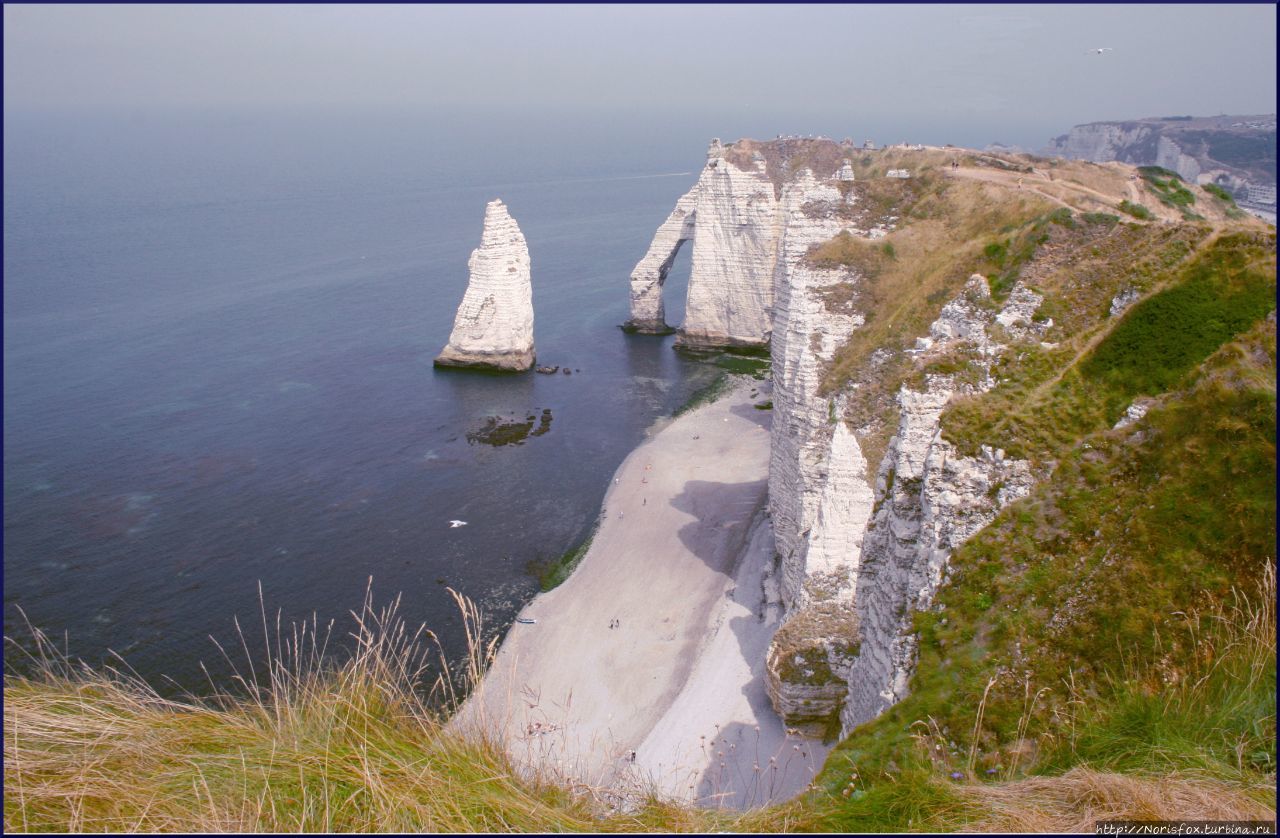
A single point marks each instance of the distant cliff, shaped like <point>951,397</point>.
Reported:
<point>1234,152</point>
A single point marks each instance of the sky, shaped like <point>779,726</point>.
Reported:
<point>964,74</point>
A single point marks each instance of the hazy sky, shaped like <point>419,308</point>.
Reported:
<point>1021,71</point>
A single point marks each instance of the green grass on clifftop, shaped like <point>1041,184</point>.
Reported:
<point>1048,397</point>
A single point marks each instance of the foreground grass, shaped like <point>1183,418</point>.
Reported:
<point>355,748</point>
<point>359,746</point>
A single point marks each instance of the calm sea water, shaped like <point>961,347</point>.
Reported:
<point>218,333</point>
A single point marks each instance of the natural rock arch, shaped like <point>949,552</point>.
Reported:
<point>648,313</point>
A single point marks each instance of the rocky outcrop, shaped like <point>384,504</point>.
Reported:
<point>931,499</point>
<point>493,328</point>
<point>1133,413</point>
<point>1121,301</point>
<point>731,217</point>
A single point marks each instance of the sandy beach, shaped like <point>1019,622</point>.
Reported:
<point>645,669</point>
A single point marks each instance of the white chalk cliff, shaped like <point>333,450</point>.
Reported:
<point>855,559</point>
<point>731,216</point>
<point>855,555</point>
<point>819,499</point>
<point>931,500</point>
<point>809,448</point>
<point>493,328</point>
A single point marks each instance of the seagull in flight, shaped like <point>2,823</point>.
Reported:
<point>455,524</point>
<point>1098,50</point>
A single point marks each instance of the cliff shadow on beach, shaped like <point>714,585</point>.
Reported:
<point>715,508</point>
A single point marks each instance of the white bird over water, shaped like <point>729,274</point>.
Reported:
<point>453,524</point>
<point>1099,50</point>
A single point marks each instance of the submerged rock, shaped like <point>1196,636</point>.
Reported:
<point>493,328</point>
<point>497,431</point>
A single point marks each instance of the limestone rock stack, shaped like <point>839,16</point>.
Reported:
<point>493,328</point>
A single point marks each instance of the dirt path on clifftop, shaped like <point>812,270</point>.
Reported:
<point>576,694</point>
<point>1062,190</point>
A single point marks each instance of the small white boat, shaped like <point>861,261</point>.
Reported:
<point>526,620</point>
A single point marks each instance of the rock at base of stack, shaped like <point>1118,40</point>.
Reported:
<point>493,329</point>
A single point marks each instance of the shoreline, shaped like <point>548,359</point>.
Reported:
<point>648,660</point>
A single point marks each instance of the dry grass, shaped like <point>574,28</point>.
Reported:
<point>1075,801</point>
<point>355,748</point>
<point>937,246</point>
<point>935,252</point>
<point>304,746</point>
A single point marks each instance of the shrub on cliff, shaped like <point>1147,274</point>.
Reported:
<point>1138,211</point>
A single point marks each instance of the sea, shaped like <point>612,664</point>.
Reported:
<point>221,416</point>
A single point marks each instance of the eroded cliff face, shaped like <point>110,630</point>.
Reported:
<point>930,498</point>
<point>819,499</point>
<point>810,449</point>
<point>736,231</point>
<point>731,216</point>
<point>856,560</point>
<point>493,328</point>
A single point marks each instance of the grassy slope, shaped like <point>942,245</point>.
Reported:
<point>1102,649</point>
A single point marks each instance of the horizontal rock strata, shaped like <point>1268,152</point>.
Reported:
<point>493,328</point>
